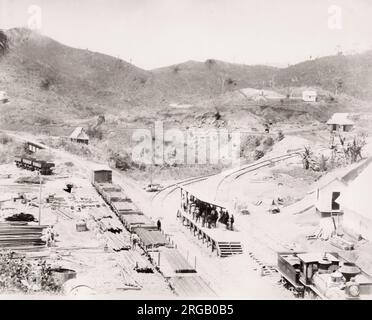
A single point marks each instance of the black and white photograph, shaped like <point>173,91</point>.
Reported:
<point>186,150</point>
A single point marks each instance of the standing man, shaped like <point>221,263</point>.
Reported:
<point>232,222</point>
<point>159,225</point>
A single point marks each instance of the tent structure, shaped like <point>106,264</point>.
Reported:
<point>79,136</point>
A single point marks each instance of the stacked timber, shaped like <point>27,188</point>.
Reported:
<point>110,224</point>
<point>17,235</point>
<point>134,260</point>
<point>117,241</point>
<point>100,214</point>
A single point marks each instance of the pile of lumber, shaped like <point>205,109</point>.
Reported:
<point>100,214</point>
<point>128,275</point>
<point>110,224</point>
<point>133,259</point>
<point>117,241</point>
<point>15,235</point>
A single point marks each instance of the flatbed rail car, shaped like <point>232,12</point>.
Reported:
<point>150,238</point>
<point>324,276</point>
<point>32,164</point>
<point>134,220</point>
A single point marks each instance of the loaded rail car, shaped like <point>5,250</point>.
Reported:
<point>133,219</point>
<point>324,276</point>
<point>151,238</point>
<point>32,164</point>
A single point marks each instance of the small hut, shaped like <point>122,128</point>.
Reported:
<point>340,122</point>
<point>309,96</point>
<point>79,136</point>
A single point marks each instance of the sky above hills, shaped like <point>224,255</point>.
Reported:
<point>156,33</point>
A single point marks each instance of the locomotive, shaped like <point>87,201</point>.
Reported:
<point>323,276</point>
<point>32,164</point>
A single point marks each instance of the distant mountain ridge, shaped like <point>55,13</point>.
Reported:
<point>47,77</point>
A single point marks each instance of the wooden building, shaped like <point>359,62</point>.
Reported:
<point>309,96</point>
<point>79,136</point>
<point>32,147</point>
<point>329,190</point>
<point>340,122</point>
<point>357,205</point>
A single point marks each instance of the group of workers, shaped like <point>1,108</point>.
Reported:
<point>207,214</point>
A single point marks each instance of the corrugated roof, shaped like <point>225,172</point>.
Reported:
<point>79,133</point>
<point>340,118</point>
<point>205,191</point>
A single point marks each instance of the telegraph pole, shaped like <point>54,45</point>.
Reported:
<point>40,180</point>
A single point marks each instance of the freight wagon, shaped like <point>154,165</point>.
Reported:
<point>32,164</point>
<point>133,219</point>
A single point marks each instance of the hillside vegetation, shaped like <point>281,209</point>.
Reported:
<point>51,85</point>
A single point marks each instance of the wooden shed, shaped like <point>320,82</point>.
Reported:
<point>79,136</point>
<point>340,122</point>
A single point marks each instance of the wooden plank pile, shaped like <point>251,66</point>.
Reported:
<point>176,261</point>
<point>192,286</point>
<point>15,235</point>
<point>109,225</point>
<point>117,241</point>
<point>133,259</point>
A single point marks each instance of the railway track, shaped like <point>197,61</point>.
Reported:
<point>236,174</point>
<point>239,172</point>
<point>163,194</point>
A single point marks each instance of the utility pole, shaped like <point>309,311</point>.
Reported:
<point>40,180</point>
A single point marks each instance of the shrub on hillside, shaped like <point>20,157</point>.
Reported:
<point>95,133</point>
<point>4,42</point>
<point>280,135</point>
<point>20,275</point>
<point>5,139</point>
<point>43,120</point>
<point>258,154</point>
<point>268,142</point>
